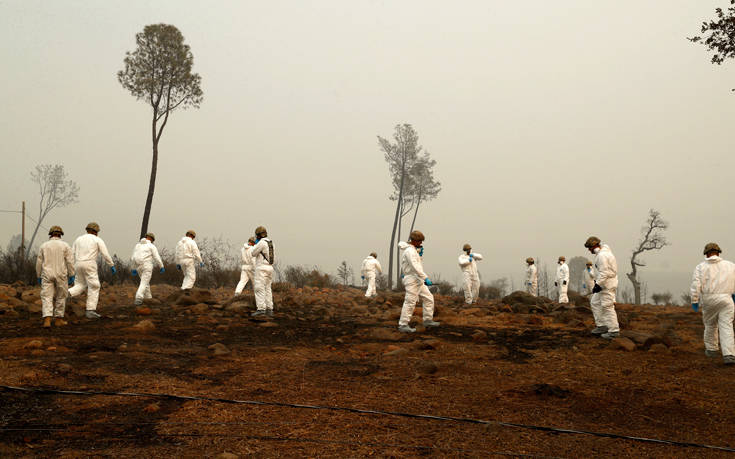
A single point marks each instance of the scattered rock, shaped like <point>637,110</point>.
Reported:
<point>152,302</point>
<point>143,311</point>
<point>29,296</point>
<point>237,307</point>
<point>227,455</point>
<point>395,352</point>
<point>428,345</point>
<point>622,343</point>
<point>33,308</point>
<point>199,308</point>
<point>268,324</point>
<point>219,349</point>
<point>30,376</point>
<point>636,336</point>
<point>385,334</point>
<point>659,348</point>
<point>122,348</point>
<point>479,336</point>
<point>152,408</point>
<point>145,326</point>
<point>35,344</point>
<point>427,368</point>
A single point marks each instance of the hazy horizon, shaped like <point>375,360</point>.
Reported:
<point>549,123</point>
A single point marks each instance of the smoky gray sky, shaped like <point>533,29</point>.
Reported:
<point>549,121</point>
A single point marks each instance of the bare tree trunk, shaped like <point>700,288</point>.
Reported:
<point>393,234</point>
<point>636,287</point>
<point>30,244</point>
<point>415,212</point>
<point>398,251</point>
<point>151,183</point>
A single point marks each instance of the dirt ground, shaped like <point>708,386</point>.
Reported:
<point>512,361</point>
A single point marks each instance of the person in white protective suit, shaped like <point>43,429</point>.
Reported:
<point>470,277</point>
<point>416,282</point>
<point>562,280</point>
<point>145,258</point>
<point>531,277</point>
<point>248,268</point>
<point>187,255</point>
<point>86,249</point>
<point>588,279</point>
<point>263,257</point>
<point>370,268</point>
<point>604,290</point>
<point>55,271</point>
<point>713,285</point>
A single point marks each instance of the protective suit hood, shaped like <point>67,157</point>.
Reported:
<point>713,259</point>
<point>403,245</point>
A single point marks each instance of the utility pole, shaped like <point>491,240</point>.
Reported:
<point>23,234</point>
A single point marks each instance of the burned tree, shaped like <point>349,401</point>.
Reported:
<point>159,73</point>
<point>652,238</point>
<point>401,156</point>
<point>54,189</point>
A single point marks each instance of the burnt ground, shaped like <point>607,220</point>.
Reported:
<point>328,348</point>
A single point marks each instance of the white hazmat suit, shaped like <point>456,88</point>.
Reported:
<point>470,276</point>
<point>603,303</point>
<point>54,265</point>
<point>370,266</point>
<point>713,284</point>
<point>562,281</point>
<point>145,258</point>
<point>588,280</point>
<point>86,248</point>
<point>413,280</point>
<point>532,280</point>
<point>187,255</point>
<point>260,254</point>
<point>247,273</point>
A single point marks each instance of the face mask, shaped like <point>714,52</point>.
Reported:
<point>257,240</point>
<point>421,251</point>
<point>596,250</point>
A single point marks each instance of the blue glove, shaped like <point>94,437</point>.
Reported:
<point>113,270</point>
<point>401,276</point>
<point>39,281</point>
<point>178,267</point>
<point>471,257</point>
<point>134,272</point>
<point>201,265</point>
<point>584,285</point>
<point>163,270</point>
<point>695,307</point>
<point>71,280</point>
<point>428,282</point>
<point>363,277</point>
<point>421,251</point>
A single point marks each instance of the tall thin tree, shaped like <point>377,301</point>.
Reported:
<point>159,72</point>
<point>400,156</point>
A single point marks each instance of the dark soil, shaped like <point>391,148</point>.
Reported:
<point>540,369</point>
